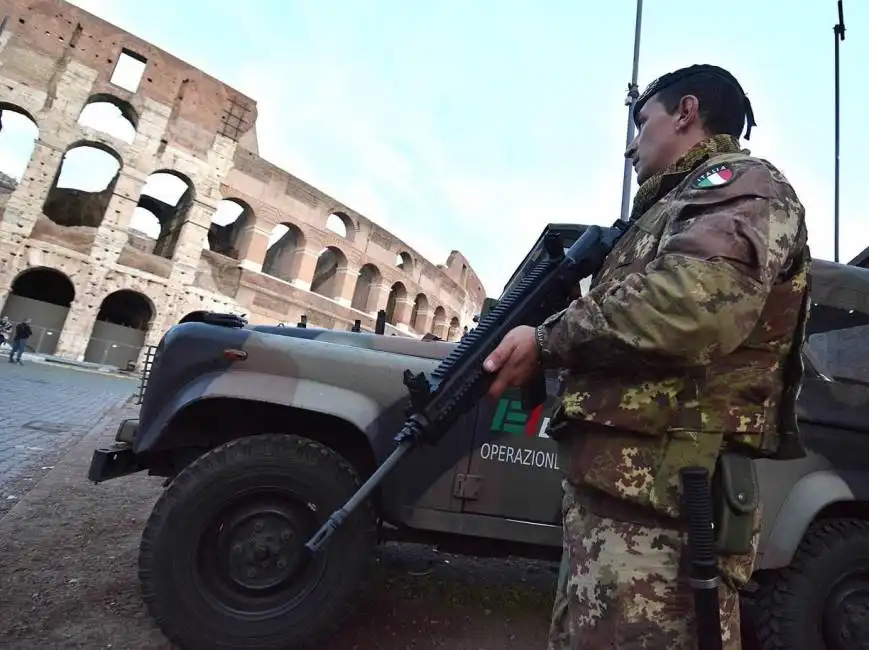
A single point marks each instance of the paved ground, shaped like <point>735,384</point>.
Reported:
<point>68,548</point>
<point>68,552</point>
<point>44,410</point>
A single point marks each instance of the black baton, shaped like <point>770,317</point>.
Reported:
<point>704,578</point>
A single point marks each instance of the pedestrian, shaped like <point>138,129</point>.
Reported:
<point>5,329</point>
<point>19,340</point>
<point>685,351</point>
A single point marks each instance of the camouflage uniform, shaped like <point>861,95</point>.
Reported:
<point>681,348</point>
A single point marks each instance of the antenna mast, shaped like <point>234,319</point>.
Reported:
<point>838,35</point>
<point>633,94</point>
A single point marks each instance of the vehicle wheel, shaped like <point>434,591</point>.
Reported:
<point>221,562</point>
<point>820,601</point>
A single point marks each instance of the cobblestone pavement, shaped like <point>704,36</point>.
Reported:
<point>44,410</point>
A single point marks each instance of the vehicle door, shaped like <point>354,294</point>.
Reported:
<point>514,470</point>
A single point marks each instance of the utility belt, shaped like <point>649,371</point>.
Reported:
<point>735,499</point>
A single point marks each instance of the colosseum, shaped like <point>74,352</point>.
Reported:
<point>144,199</point>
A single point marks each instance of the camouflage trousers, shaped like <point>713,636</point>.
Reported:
<point>623,586</point>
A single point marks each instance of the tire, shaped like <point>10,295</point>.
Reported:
<point>821,600</point>
<point>233,585</point>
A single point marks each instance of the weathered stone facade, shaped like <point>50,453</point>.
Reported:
<point>56,61</point>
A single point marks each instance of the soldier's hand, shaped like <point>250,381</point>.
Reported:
<point>515,360</point>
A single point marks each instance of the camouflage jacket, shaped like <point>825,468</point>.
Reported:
<point>680,347</point>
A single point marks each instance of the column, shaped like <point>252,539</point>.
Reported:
<point>24,206</point>
<point>188,246</point>
<point>423,321</point>
<point>403,307</point>
<point>253,242</point>
<point>79,325</point>
<point>112,235</point>
<point>345,284</point>
<point>307,264</point>
<point>378,297</point>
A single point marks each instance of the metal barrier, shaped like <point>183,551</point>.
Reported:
<point>147,362</point>
<point>109,352</point>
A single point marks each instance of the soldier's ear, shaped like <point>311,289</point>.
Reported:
<point>688,112</point>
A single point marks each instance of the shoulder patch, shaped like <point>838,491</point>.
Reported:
<point>715,177</point>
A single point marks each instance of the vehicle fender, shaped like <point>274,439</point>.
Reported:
<point>356,408</point>
<point>808,497</point>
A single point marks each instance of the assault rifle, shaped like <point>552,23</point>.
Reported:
<point>542,286</point>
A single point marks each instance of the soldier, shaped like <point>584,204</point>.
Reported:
<point>685,346</point>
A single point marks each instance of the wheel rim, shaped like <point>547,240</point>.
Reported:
<point>846,614</point>
<point>251,561</point>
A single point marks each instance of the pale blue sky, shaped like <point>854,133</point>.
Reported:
<point>470,125</point>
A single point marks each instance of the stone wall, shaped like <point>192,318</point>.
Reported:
<point>292,249</point>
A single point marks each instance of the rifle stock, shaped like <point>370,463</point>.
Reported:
<point>459,381</point>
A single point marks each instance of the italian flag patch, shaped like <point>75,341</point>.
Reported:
<point>715,177</point>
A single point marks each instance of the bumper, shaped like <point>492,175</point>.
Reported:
<point>117,460</point>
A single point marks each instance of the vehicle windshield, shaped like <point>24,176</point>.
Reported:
<point>837,334</point>
<point>569,234</point>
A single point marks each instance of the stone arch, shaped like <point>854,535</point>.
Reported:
<point>122,323</point>
<point>230,218</point>
<point>453,331</point>
<point>44,295</point>
<point>162,209</point>
<point>83,185</point>
<point>285,253</point>
<point>110,115</point>
<point>404,262</point>
<point>19,132</point>
<point>326,274</point>
<point>397,293</point>
<point>364,299</point>
<point>340,223</point>
<point>418,312</point>
<point>439,321</point>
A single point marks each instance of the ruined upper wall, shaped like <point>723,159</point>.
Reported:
<point>201,105</point>
<point>280,197</point>
<point>56,59</point>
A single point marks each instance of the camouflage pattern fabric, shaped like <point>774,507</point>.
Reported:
<point>622,585</point>
<point>678,350</point>
<point>654,187</point>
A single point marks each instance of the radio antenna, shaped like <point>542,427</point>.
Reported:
<point>838,35</point>
<point>633,94</point>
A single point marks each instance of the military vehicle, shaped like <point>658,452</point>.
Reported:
<point>262,432</point>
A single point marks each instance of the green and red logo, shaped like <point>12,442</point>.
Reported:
<point>511,418</point>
